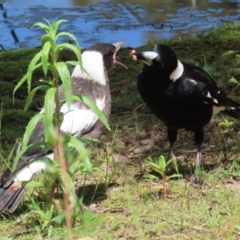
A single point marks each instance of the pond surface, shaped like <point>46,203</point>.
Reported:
<point>91,21</point>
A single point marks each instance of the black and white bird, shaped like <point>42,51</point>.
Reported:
<point>180,94</point>
<point>79,120</point>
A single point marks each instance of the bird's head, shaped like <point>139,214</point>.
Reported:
<point>161,57</point>
<point>109,52</point>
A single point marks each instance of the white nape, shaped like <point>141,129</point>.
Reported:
<point>177,73</point>
<point>94,67</point>
<point>31,170</point>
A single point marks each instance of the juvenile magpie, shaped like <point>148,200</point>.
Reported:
<point>180,94</point>
<point>79,120</point>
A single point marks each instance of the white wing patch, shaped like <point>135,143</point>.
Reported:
<point>34,168</point>
<point>76,119</point>
<point>177,73</point>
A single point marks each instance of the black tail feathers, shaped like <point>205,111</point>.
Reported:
<point>233,110</point>
<point>10,201</point>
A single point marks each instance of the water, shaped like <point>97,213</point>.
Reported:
<point>91,21</point>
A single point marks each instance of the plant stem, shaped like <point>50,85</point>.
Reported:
<point>67,205</point>
<point>59,149</point>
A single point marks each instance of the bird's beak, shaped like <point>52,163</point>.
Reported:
<point>118,45</point>
<point>145,57</point>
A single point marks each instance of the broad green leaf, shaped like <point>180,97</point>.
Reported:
<point>66,81</point>
<point>45,56</point>
<point>94,107</point>
<point>31,95</point>
<point>162,164</point>
<point>49,110</point>
<point>30,127</point>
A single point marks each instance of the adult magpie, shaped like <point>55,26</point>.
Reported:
<point>180,94</point>
<point>79,120</point>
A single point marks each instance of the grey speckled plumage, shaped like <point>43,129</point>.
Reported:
<point>94,84</point>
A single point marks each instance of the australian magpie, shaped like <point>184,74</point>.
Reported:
<point>180,94</point>
<point>79,120</point>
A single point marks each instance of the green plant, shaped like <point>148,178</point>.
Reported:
<point>66,164</point>
<point>227,130</point>
<point>160,167</point>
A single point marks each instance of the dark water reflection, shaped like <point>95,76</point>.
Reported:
<point>137,21</point>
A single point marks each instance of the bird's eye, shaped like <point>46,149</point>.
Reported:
<point>161,65</point>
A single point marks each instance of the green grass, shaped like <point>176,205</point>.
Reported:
<point>126,205</point>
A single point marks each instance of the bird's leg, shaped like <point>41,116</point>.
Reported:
<point>170,151</point>
<point>172,136</point>
<point>199,136</point>
<point>198,159</point>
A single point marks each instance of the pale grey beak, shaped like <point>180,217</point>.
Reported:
<point>118,45</point>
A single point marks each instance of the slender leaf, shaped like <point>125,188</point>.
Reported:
<point>174,176</point>
<point>150,176</point>
<point>94,107</point>
<point>75,49</point>
<point>27,77</point>
<point>55,26</point>
<point>19,84</point>
<point>68,35</point>
<point>71,63</point>
<point>49,110</point>
<point>31,95</point>
<point>66,80</point>
<point>32,66</point>
<point>80,148</point>
<point>45,55</point>
<point>42,25</point>
<point>30,127</point>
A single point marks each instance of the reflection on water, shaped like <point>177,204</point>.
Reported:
<point>137,21</point>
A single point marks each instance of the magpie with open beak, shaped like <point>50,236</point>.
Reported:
<point>79,120</point>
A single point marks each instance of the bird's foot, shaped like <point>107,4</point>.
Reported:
<point>197,178</point>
